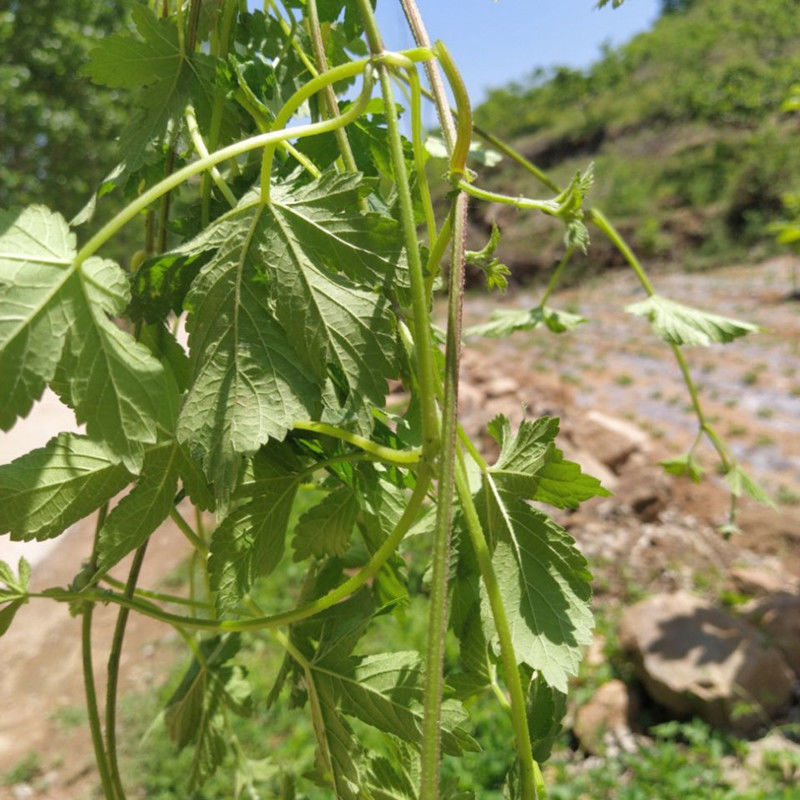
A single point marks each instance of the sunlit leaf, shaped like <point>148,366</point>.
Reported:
<point>680,324</point>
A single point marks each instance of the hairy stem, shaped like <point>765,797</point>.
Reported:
<point>527,203</point>
<point>419,155</point>
<point>556,276</point>
<point>161,597</point>
<point>202,151</point>
<point>437,620</point>
<point>91,704</point>
<point>421,37</point>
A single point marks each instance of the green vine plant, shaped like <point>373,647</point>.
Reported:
<point>288,221</point>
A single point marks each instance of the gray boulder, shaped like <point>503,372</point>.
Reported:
<point>696,659</point>
<point>778,616</point>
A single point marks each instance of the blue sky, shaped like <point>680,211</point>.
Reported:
<point>497,41</point>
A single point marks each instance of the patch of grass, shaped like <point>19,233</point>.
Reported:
<point>787,496</point>
<point>735,429</point>
<point>750,377</point>
<point>623,379</point>
<point>25,770</point>
<point>765,413</point>
<point>70,717</point>
<point>686,761</point>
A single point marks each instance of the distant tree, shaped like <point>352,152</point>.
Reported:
<point>56,130</point>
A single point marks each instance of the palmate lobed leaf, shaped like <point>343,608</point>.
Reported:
<point>249,542</point>
<point>680,324</point>
<point>504,322</point>
<point>45,491</point>
<point>385,691</point>
<point>532,467</point>
<point>55,328</point>
<point>544,580</point>
<point>326,527</point>
<point>195,710</point>
<point>123,60</point>
<point>544,583</point>
<point>140,512</point>
<point>248,384</point>
<point>741,484</point>
<point>278,305</point>
<point>338,750</point>
<point>165,80</point>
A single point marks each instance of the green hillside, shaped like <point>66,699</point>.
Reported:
<point>692,150</point>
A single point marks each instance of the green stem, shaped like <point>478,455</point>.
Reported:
<point>114,657</point>
<point>599,219</point>
<point>419,299</point>
<point>249,102</point>
<point>308,90</point>
<point>341,592</point>
<point>460,152</point>
<point>556,276</point>
<point>201,165</point>
<point>436,253</point>
<point>705,427</point>
<point>472,450</point>
<point>437,620</point>
<point>419,155</point>
<point>507,656</point>
<point>199,545</point>
<point>517,157</point>
<point>342,140</point>
<point>202,151</point>
<point>547,206</point>
<point>288,31</point>
<point>439,95</point>
<point>222,45</point>
<point>88,671</point>
<point>91,703</point>
<point>388,454</point>
<point>162,597</point>
<point>403,59</point>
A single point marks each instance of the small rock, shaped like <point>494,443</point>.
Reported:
<point>778,615</point>
<point>610,439</point>
<point>595,653</point>
<point>603,724</point>
<point>648,496</point>
<point>694,658</point>
<point>22,791</point>
<point>772,748</point>
<point>759,581</point>
<point>501,386</point>
<point>589,464</point>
